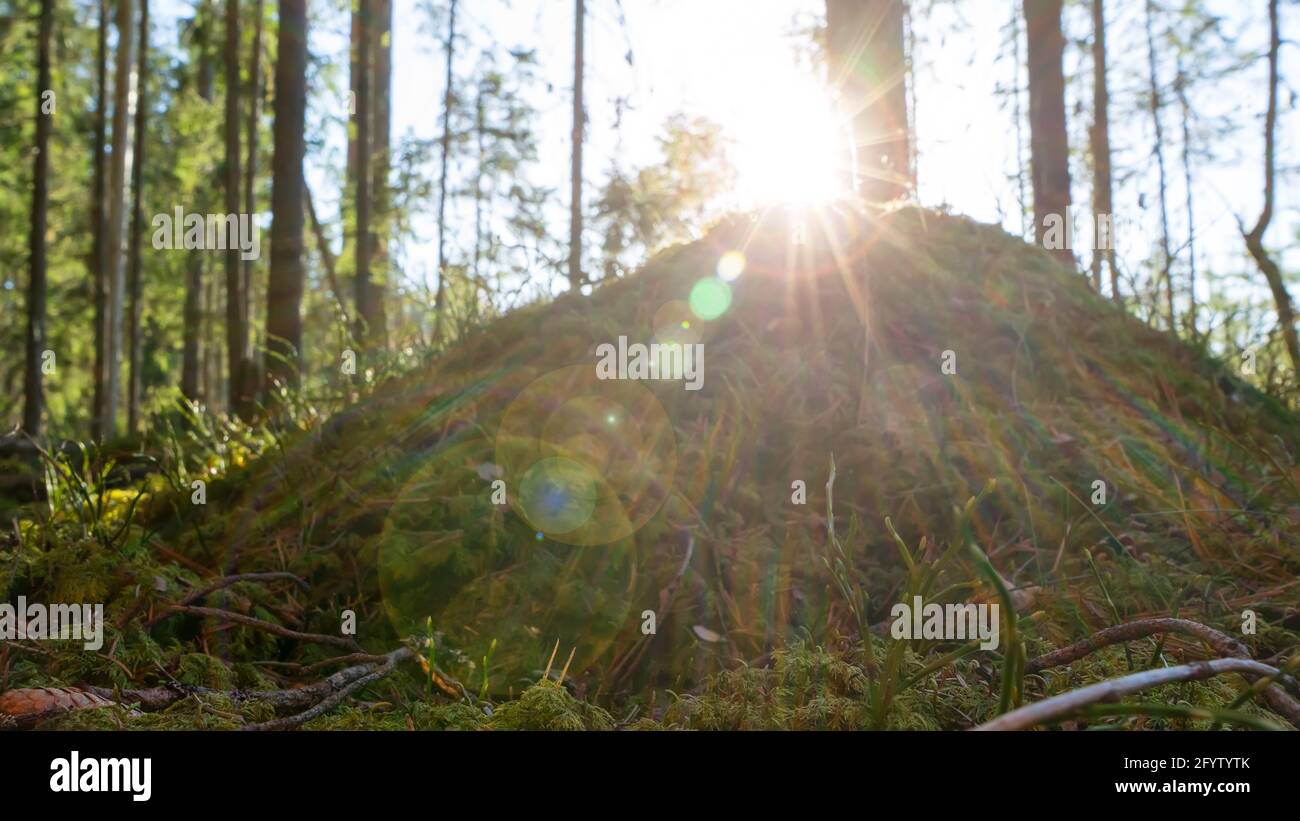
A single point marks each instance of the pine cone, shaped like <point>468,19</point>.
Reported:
<point>25,708</point>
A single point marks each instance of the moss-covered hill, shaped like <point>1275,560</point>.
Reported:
<point>925,354</point>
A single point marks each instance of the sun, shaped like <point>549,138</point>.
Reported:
<point>790,149</point>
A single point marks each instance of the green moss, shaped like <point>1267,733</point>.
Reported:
<point>548,706</point>
<point>386,508</point>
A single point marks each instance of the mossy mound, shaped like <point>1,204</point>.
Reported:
<point>928,354</point>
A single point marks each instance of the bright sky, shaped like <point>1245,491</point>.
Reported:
<point>735,61</point>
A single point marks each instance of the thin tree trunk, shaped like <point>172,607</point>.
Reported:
<point>327,258</point>
<point>33,394</point>
<point>868,55</point>
<point>236,330</point>
<point>381,74</point>
<point>192,358</point>
<point>1018,115</point>
<point>447,99</point>
<point>117,187</point>
<point>579,123</point>
<point>1255,237</point>
<point>250,185</point>
<point>211,387</point>
<point>354,79</point>
<point>1180,86</point>
<point>134,285</point>
<point>1049,144</point>
<point>99,252</point>
<point>347,208</point>
<point>1102,193</point>
<point>365,329</point>
<point>479,126</point>
<point>288,188</point>
<point>1166,261</point>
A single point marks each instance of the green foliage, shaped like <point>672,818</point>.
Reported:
<point>642,211</point>
<point>386,509</point>
<point>548,706</point>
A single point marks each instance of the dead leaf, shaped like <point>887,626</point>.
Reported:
<point>705,634</point>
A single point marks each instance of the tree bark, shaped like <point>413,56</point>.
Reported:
<point>381,75</point>
<point>134,284</point>
<point>365,328</point>
<point>99,251</point>
<point>288,188</point>
<point>448,97</point>
<point>1255,237</point>
<point>347,207</point>
<point>1102,193</point>
<point>192,346</point>
<point>1180,85</point>
<point>868,57</point>
<point>576,277</point>
<point>236,330</point>
<point>250,188</point>
<point>1157,103</point>
<point>327,258</point>
<point>1049,144</point>
<point>480,124</point>
<point>117,187</point>
<point>33,397</point>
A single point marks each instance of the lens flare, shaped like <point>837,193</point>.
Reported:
<point>558,495</point>
<point>710,298</point>
<point>731,266</point>
<point>593,459</point>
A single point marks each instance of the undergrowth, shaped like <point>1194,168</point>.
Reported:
<point>978,485</point>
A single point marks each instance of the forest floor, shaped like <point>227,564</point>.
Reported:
<point>892,405</point>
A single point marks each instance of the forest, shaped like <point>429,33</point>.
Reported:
<point>649,364</point>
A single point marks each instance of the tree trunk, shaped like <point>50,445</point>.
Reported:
<point>365,329</point>
<point>1166,260</point>
<point>1180,85</point>
<point>211,388</point>
<point>236,330</point>
<point>192,349</point>
<point>33,397</point>
<point>288,188</point>
<point>117,188</point>
<point>868,58</point>
<point>134,284</point>
<point>447,99</point>
<point>480,125</point>
<point>1018,114</point>
<point>579,123</point>
<point>347,207</point>
<point>1102,192</point>
<point>326,255</point>
<point>381,75</point>
<point>1255,237</point>
<point>99,252</point>
<point>1049,144</point>
<point>250,188</point>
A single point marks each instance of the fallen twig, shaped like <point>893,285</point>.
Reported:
<point>152,699</point>
<point>1065,704</point>
<point>1220,642</point>
<point>334,699</point>
<point>270,627</point>
<point>227,581</point>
